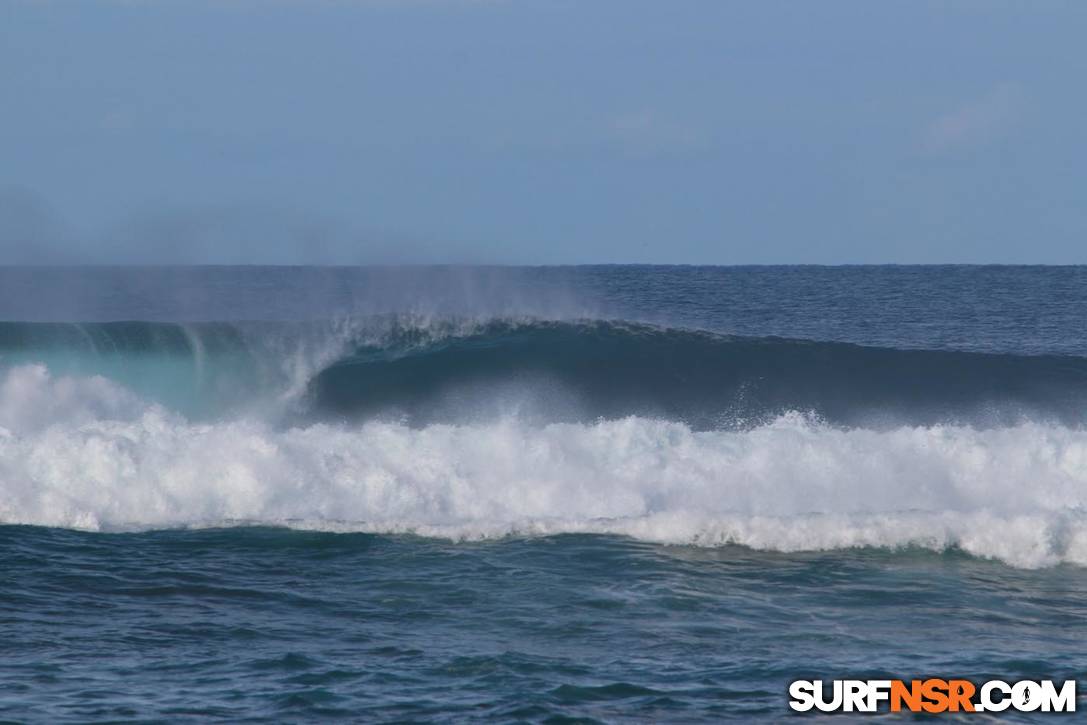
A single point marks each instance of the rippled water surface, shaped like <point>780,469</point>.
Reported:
<point>258,623</point>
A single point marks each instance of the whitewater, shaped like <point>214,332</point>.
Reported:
<point>86,453</point>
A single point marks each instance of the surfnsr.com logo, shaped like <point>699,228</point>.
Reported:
<point>932,696</point>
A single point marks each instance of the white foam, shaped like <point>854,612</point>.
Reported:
<point>83,453</point>
<point>31,398</point>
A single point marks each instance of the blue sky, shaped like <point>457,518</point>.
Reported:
<point>515,131</point>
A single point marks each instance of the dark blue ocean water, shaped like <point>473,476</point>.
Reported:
<point>546,494</point>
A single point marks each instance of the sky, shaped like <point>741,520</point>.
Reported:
<point>542,132</point>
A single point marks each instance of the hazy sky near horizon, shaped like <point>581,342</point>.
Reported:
<point>550,131</point>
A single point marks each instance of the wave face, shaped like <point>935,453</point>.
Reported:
<point>422,371</point>
<point>582,371</point>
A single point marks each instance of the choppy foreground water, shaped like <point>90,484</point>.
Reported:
<point>258,623</point>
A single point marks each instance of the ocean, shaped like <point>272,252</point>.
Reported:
<point>555,494</point>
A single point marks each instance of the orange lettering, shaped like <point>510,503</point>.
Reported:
<point>934,691</point>
<point>959,694</point>
<point>912,696</point>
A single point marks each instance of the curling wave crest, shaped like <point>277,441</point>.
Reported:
<point>86,453</point>
<point>423,370</point>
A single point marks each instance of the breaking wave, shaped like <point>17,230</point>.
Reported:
<point>471,429</point>
<point>421,371</point>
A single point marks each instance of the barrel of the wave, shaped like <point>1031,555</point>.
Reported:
<point>583,371</point>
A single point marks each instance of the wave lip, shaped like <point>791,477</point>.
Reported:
<point>423,370</point>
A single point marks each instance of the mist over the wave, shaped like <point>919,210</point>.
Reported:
<point>68,294</point>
